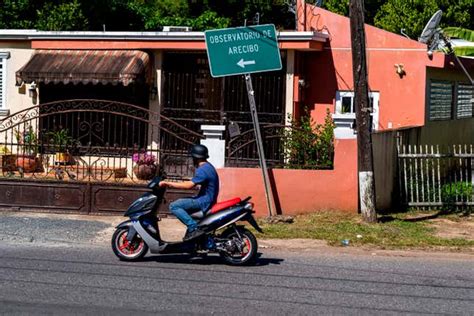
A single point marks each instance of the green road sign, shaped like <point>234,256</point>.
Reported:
<point>242,50</point>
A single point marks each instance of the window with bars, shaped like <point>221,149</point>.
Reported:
<point>449,100</point>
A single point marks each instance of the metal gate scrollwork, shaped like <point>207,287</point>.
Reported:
<point>93,142</point>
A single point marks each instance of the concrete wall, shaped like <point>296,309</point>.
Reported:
<point>299,191</point>
<point>17,98</point>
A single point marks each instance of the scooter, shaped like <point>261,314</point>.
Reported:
<point>235,244</point>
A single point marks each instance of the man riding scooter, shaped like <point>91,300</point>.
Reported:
<point>206,177</point>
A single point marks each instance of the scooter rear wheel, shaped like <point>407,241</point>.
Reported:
<point>248,252</point>
<point>128,250</point>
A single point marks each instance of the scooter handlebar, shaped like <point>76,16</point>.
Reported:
<point>154,182</point>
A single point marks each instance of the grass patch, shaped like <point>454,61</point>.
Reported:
<point>334,227</point>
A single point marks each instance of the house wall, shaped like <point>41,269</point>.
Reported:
<point>443,133</point>
<point>402,99</point>
<point>17,98</point>
<point>299,191</point>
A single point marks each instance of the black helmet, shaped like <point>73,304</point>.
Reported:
<point>199,152</point>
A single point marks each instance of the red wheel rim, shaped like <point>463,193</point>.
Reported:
<point>248,246</point>
<point>127,248</point>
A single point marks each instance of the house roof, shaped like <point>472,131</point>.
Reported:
<point>310,40</point>
<point>84,66</point>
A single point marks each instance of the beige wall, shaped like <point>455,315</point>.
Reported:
<point>17,98</point>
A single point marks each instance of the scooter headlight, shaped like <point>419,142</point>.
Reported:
<point>249,206</point>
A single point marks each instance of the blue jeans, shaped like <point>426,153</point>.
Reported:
<point>181,208</point>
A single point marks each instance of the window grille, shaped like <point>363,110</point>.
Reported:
<point>441,100</point>
<point>465,101</point>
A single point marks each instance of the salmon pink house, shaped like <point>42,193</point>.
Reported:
<point>114,95</point>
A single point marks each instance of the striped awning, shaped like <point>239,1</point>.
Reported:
<point>85,66</point>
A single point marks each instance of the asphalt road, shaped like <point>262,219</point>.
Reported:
<point>49,278</point>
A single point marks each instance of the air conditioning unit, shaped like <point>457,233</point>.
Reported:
<point>177,29</point>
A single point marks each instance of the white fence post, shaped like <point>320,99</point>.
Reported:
<point>215,143</point>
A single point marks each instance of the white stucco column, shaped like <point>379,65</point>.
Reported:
<point>290,74</point>
<point>215,142</point>
<point>155,103</point>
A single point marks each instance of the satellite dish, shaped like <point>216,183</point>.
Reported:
<point>435,39</point>
<point>431,28</point>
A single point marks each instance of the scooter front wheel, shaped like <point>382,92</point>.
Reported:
<point>128,250</point>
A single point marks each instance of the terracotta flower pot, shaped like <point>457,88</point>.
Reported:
<point>144,172</point>
<point>8,163</point>
<point>27,163</point>
<point>63,158</point>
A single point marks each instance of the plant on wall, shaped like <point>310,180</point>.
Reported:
<point>61,143</point>
<point>60,139</point>
<point>309,145</point>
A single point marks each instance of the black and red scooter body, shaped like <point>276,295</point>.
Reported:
<point>144,223</point>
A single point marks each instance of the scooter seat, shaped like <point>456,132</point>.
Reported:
<point>223,205</point>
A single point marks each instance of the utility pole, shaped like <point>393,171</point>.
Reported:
<point>363,110</point>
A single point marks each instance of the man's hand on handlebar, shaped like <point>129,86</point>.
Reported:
<point>163,184</point>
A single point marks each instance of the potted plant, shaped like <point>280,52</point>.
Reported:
<point>145,166</point>
<point>61,141</point>
<point>7,160</point>
<point>27,159</point>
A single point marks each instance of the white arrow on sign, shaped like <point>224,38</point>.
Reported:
<point>242,63</point>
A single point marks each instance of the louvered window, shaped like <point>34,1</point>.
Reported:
<point>465,100</point>
<point>449,100</point>
<point>441,100</point>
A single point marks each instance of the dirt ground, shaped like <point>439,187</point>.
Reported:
<point>461,228</point>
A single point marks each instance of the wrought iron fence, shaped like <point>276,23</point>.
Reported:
<point>194,99</point>
<point>285,147</point>
<point>93,140</point>
<point>431,176</point>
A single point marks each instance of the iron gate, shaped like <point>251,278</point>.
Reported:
<point>88,156</point>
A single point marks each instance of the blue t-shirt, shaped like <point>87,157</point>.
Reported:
<point>206,176</point>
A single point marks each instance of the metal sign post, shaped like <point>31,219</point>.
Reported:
<point>261,153</point>
<point>246,50</point>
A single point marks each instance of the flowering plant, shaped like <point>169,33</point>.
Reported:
<point>144,159</point>
<point>28,140</point>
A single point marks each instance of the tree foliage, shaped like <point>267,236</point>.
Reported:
<point>66,16</point>
<point>414,14</point>
<point>17,14</point>
<point>139,15</point>
<point>411,15</point>
<point>461,33</point>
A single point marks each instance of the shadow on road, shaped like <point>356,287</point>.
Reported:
<point>206,260</point>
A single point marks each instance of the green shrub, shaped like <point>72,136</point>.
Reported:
<point>456,191</point>
<point>309,145</point>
